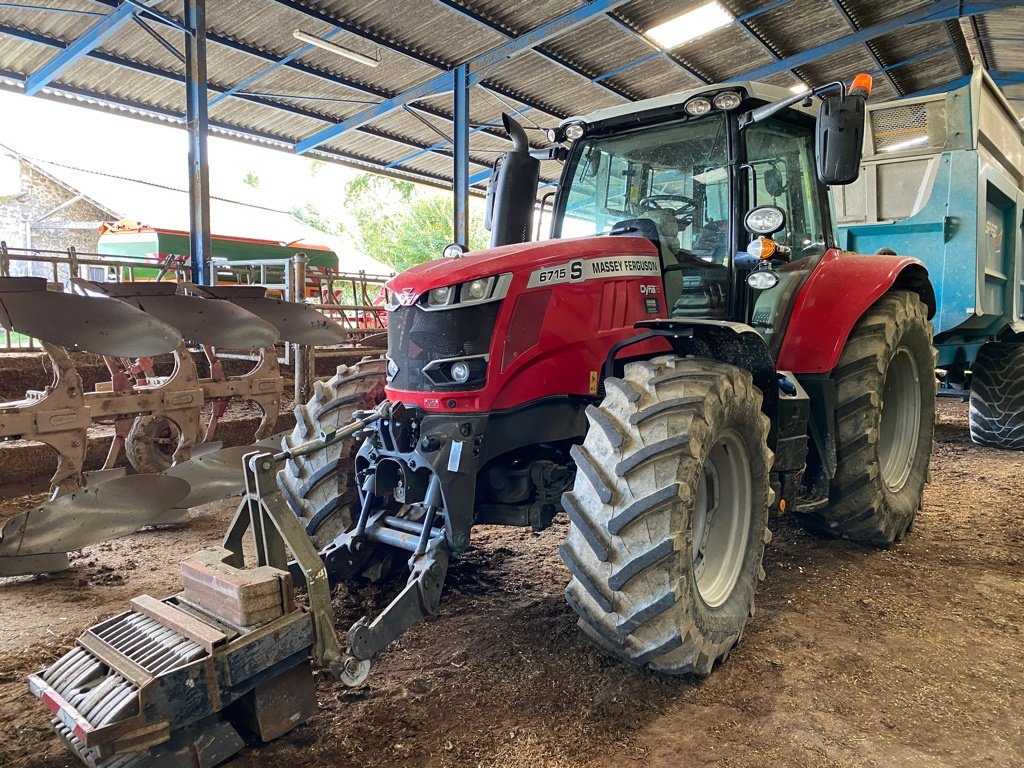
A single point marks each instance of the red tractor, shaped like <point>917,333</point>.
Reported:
<point>689,351</point>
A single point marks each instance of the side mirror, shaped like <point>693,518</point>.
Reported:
<point>840,138</point>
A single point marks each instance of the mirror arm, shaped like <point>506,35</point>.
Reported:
<point>764,112</point>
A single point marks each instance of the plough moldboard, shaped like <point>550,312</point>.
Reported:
<point>156,418</point>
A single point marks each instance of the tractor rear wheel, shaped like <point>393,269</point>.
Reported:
<point>997,396</point>
<point>885,415</point>
<point>668,514</point>
<point>320,487</point>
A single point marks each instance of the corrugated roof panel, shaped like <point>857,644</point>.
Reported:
<point>715,54</point>
<point>599,47</point>
<point>797,25</point>
<point>928,72</point>
<point>264,118</point>
<point>422,26</point>
<point>113,80</point>
<point>1002,33</point>
<point>65,26</point>
<point>537,79</point>
<point>21,56</point>
<point>269,26</point>
<point>522,17</point>
<point>656,78</point>
<point>898,47</point>
<point>868,13</point>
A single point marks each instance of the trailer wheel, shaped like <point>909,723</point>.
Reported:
<point>320,487</point>
<point>151,443</point>
<point>885,415</point>
<point>997,396</point>
<point>668,514</point>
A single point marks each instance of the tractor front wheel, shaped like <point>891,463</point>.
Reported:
<point>320,487</point>
<point>668,514</point>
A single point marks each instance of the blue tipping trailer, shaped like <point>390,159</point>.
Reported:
<point>943,180</point>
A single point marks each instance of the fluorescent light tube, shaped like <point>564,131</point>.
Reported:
<point>326,45</point>
<point>690,25</point>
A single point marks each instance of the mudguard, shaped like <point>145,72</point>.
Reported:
<point>839,291</point>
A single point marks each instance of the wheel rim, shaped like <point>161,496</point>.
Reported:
<point>900,419</point>
<point>721,519</point>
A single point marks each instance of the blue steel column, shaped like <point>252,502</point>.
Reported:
<point>197,120</point>
<point>460,143</point>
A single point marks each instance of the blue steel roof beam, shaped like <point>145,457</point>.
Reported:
<point>841,7</point>
<point>93,38</point>
<point>149,69</point>
<point>445,143</point>
<point>47,9</point>
<point>267,70</point>
<point>476,66</point>
<point>383,42</point>
<point>938,10</point>
<point>329,77</point>
<point>549,55</point>
<point>161,115</point>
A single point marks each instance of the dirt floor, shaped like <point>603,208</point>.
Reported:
<point>912,656</point>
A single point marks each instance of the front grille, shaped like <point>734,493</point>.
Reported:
<point>417,337</point>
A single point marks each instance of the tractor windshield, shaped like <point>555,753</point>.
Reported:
<point>675,177</point>
<point>672,183</point>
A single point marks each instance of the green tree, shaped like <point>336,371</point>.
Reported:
<point>309,214</point>
<point>252,179</point>
<point>400,227</point>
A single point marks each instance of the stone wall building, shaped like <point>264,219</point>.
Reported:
<point>39,211</point>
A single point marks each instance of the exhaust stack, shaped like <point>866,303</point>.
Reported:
<point>512,192</point>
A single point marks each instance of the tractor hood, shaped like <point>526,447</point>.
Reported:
<point>519,257</point>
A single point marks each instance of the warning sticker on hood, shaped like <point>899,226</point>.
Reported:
<point>580,270</point>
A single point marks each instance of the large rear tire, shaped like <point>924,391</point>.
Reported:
<point>320,487</point>
<point>997,396</point>
<point>885,416</point>
<point>668,514</point>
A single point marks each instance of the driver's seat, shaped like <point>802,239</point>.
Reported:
<point>660,227</point>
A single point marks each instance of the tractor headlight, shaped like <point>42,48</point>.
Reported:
<point>727,100</point>
<point>439,297</point>
<point>460,372</point>
<point>392,369</point>
<point>765,220</point>
<point>477,289</point>
<point>697,106</point>
<point>574,131</point>
<point>763,279</point>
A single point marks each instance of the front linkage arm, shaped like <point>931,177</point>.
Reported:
<point>277,531</point>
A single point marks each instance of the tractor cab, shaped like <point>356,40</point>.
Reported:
<point>702,175</point>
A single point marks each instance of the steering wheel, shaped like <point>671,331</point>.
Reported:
<point>683,213</point>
